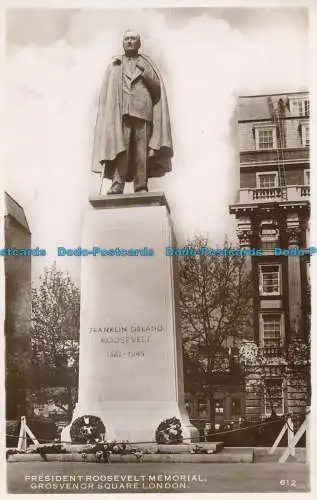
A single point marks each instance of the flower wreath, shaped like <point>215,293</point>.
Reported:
<point>169,432</point>
<point>87,429</point>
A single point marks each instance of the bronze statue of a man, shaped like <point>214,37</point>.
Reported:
<point>133,134</point>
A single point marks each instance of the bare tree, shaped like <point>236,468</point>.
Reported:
<point>55,334</point>
<point>215,310</point>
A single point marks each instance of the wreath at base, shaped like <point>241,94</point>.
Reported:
<point>169,432</point>
<point>86,429</point>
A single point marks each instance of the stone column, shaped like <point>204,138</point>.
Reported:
<point>245,240</point>
<point>252,401</point>
<point>294,276</point>
<point>245,235</point>
<point>252,378</point>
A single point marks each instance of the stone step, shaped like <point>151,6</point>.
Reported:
<point>157,448</point>
<point>185,448</point>
<point>241,455</point>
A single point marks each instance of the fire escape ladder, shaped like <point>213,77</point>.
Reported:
<point>277,116</point>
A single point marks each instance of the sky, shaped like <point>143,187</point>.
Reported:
<point>208,57</point>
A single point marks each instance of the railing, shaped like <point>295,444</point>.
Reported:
<point>274,194</point>
<point>266,193</point>
<point>305,191</point>
<point>272,351</point>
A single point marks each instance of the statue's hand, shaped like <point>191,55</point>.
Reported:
<point>140,66</point>
<point>151,153</point>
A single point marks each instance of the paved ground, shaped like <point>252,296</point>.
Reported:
<point>136,478</point>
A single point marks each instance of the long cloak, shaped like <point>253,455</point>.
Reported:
<point>108,137</point>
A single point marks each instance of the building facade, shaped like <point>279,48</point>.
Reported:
<point>228,404</point>
<point>272,211</point>
<point>18,305</point>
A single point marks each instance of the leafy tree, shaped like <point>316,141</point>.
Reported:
<point>289,365</point>
<point>298,359</point>
<point>215,312</point>
<point>55,335</point>
<point>262,373</point>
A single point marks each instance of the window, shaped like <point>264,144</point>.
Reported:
<point>221,362</point>
<point>218,406</point>
<point>273,396</point>
<point>270,279</point>
<point>305,135</point>
<point>269,239</point>
<point>271,330</point>
<point>265,137</point>
<point>235,406</point>
<point>202,409</point>
<point>299,107</point>
<point>39,406</point>
<point>267,180</point>
<point>307,177</point>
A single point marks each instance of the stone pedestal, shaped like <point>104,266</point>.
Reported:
<point>130,366</point>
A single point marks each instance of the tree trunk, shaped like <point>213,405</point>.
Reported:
<point>69,403</point>
<point>211,416</point>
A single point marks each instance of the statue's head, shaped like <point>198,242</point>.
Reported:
<point>131,42</point>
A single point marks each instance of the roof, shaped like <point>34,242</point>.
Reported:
<point>256,107</point>
<point>14,210</point>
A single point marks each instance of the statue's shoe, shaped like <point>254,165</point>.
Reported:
<point>115,191</point>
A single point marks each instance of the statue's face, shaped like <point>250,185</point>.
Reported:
<point>131,42</point>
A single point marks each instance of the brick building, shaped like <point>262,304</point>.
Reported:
<point>18,304</point>
<point>272,210</point>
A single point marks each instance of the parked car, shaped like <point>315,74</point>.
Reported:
<point>261,432</point>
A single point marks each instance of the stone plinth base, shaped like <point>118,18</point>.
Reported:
<point>237,455</point>
<point>130,365</point>
<point>174,449</point>
<point>136,422</point>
